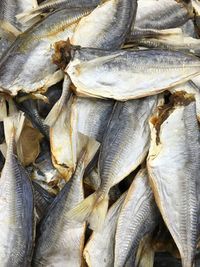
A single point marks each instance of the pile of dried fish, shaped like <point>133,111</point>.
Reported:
<point>99,133</point>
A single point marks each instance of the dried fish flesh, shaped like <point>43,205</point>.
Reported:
<point>173,175</point>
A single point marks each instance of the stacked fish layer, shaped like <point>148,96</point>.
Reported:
<point>99,133</point>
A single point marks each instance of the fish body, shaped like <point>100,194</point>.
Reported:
<point>97,252</point>
<point>93,116</point>
<point>138,217</point>
<point>10,8</point>
<point>35,48</point>
<point>164,14</point>
<point>42,200</point>
<point>60,241</point>
<point>16,210</point>
<point>107,25</point>
<point>174,142</point>
<point>128,125</point>
<point>124,75</point>
<point>35,14</point>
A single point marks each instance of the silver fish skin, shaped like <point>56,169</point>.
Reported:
<point>60,240</point>
<point>162,14</point>
<point>117,17</point>
<point>189,29</point>
<point>138,217</point>
<point>50,6</point>
<point>185,44</point>
<point>16,212</point>
<point>173,176</point>
<point>42,200</point>
<point>128,126</point>
<point>10,8</point>
<point>93,116</point>
<point>124,75</point>
<point>35,48</point>
<point>7,39</point>
<point>97,252</point>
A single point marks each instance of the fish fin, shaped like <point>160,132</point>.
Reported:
<point>98,214</point>
<point>13,125</point>
<point>55,111</point>
<point>3,109</point>
<point>8,27</point>
<point>93,209</point>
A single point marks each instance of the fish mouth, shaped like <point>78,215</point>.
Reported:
<point>64,52</point>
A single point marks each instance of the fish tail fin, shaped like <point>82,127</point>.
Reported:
<point>93,209</point>
<point>55,111</point>
<point>13,126</point>
<point>98,214</point>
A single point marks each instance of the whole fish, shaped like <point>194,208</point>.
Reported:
<point>173,176</point>
<point>138,217</point>
<point>128,126</point>
<point>60,240</point>
<point>97,252</point>
<point>126,75</point>
<point>34,48</point>
<point>17,204</point>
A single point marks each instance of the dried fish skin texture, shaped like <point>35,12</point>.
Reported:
<point>27,66</point>
<point>173,166</point>
<point>124,75</point>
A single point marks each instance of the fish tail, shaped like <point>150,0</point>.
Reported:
<point>93,209</point>
<point>56,110</point>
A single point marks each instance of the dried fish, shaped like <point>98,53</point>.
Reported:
<point>138,217</point>
<point>175,141</point>
<point>42,200</point>
<point>34,48</point>
<point>126,75</point>
<point>110,34</point>
<point>97,252</point>
<point>60,240</point>
<point>128,126</point>
<point>17,206</point>
<point>164,14</point>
